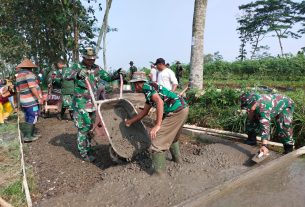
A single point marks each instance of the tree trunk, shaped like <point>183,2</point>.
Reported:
<point>255,48</point>
<point>103,32</point>
<point>196,76</point>
<point>280,42</point>
<point>104,51</point>
<point>75,57</point>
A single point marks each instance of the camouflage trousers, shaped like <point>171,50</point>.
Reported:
<point>283,126</point>
<point>83,120</point>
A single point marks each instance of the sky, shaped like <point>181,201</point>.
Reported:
<point>149,29</point>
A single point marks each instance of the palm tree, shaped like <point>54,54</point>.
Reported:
<point>196,76</point>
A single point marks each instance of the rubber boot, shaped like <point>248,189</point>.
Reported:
<point>288,148</point>
<point>158,162</point>
<point>175,152</point>
<point>36,133</point>
<point>28,133</point>
<point>71,114</point>
<point>251,139</point>
<point>61,115</point>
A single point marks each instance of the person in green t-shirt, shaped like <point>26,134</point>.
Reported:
<point>172,112</point>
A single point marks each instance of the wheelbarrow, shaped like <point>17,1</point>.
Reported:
<point>125,142</point>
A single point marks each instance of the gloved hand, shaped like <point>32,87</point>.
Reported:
<point>82,74</point>
<point>117,73</point>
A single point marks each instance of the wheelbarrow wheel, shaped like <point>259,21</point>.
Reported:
<point>114,156</point>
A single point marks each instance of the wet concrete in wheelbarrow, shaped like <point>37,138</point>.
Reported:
<point>126,141</point>
<point>63,179</point>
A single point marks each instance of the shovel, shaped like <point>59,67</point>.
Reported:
<point>259,157</point>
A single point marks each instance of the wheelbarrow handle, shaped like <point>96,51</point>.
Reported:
<point>91,91</point>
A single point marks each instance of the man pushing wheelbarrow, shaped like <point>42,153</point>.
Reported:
<point>84,110</point>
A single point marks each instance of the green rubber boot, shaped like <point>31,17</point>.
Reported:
<point>35,132</point>
<point>158,162</point>
<point>28,130</point>
<point>175,151</point>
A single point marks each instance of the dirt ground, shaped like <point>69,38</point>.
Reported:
<point>65,180</point>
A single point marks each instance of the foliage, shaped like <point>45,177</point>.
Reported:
<point>272,68</point>
<point>42,30</point>
<point>262,17</point>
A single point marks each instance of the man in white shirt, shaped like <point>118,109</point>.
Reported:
<point>165,76</point>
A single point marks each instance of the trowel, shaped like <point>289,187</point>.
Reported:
<point>259,157</point>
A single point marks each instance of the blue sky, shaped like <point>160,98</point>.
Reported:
<point>148,30</point>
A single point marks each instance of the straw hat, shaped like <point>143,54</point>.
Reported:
<point>26,63</point>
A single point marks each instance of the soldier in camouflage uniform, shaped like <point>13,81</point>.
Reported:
<point>62,86</point>
<point>55,77</point>
<point>84,110</point>
<point>262,108</point>
<point>172,112</point>
<point>132,69</point>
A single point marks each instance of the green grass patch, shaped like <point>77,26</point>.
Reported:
<point>8,127</point>
<point>10,169</point>
<point>13,194</point>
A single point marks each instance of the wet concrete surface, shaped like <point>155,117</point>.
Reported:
<point>283,188</point>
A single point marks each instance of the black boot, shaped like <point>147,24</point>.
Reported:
<point>251,139</point>
<point>288,148</point>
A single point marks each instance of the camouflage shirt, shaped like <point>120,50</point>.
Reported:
<point>172,102</point>
<point>268,106</point>
<point>55,78</point>
<point>81,96</point>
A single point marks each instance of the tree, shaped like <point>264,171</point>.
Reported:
<point>103,32</point>
<point>268,16</point>
<point>196,63</point>
<point>42,30</point>
<point>251,29</point>
<point>300,9</point>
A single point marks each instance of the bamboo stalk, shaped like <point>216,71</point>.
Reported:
<point>227,133</point>
<point>24,181</point>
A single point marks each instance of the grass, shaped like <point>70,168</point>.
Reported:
<point>13,193</point>
<point>10,169</point>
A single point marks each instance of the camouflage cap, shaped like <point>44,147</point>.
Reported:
<point>247,100</point>
<point>138,77</point>
<point>89,53</point>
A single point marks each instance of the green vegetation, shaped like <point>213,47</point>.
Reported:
<point>13,193</point>
<point>290,68</point>
<point>11,179</point>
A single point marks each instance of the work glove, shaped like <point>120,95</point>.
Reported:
<point>82,74</point>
